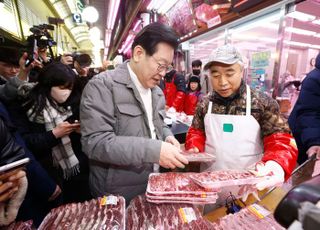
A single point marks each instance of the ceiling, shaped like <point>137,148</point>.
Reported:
<point>129,12</point>
<point>263,33</point>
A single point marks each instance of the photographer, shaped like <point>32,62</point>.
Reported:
<point>39,44</point>
<point>66,59</point>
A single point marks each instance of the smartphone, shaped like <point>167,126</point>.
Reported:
<point>73,121</point>
<point>14,165</point>
<point>32,56</point>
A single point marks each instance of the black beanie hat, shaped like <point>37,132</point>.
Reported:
<point>194,78</point>
<point>9,55</point>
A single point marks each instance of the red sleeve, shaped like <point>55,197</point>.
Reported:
<point>195,138</point>
<point>178,102</point>
<point>281,148</point>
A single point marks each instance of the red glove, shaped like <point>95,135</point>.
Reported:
<point>281,148</point>
<point>195,138</point>
<point>178,102</point>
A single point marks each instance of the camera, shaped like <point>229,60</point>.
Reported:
<point>40,38</point>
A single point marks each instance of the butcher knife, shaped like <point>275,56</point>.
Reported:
<point>312,158</point>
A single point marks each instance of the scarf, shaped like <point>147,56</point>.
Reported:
<point>62,154</point>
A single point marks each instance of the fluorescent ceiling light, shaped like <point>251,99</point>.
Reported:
<point>301,16</point>
<point>90,14</point>
<point>112,12</point>
<point>316,21</point>
<point>128,47</point>
<point>107,38</point>
<point>126,43</point>
<point>113,8</point>
<point>300,31</point>
<point>136,25</point>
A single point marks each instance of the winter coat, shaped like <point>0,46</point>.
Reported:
<point>116,134</point>
<point>174,89</point>
<point>278,143</point>
<point>304,119</point>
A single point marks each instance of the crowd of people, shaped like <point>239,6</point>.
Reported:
<point>87,136</point>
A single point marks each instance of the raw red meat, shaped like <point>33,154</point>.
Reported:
<point>27,225</point>
<point>183,196</point>
<point>143,215</point>
<point>224,178</point>
<point>246,219</point>
<point>175,183</point>
<point>101,213</point>
<point>198,157</point>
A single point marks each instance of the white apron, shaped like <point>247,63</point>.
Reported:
<point>234,139</point>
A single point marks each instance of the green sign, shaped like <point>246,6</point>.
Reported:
<point>228,128</point>
<point>80,5</point>
<point>260,59</point>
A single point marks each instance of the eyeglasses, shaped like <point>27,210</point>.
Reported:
<point>163,67</point>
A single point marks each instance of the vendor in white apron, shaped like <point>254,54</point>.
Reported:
<point>239,125</point>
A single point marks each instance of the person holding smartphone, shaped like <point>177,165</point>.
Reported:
<point>46,122</point>
<point>39,199</point>
<point>13,183</point>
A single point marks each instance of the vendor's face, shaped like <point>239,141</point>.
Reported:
<point>8,70</point>
<point>150,69</point>
<point>225,79</point>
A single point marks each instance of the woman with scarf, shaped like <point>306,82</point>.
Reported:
<point>51,131</point>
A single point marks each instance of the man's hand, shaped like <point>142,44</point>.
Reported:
<point>193,150</point>
<point>66,59</point>
<point>24,71</point>
<point>42,53</point>
<point>83,72</point>
<point>314,150</point>
<point>10,185</point>
<point>273,169</point>
<point>170,157</point>
<point>7,189</point>
<point>16,176</point>
<point>173,140</point>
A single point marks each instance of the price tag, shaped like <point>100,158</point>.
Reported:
<point>106,200</point>
<point>187,215</point>
<point>258,211</point>
<point>203,195</point>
